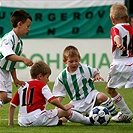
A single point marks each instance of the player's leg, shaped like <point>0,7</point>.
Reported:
<point>74,116</point>
<point>5,87</point>
<point>118,80</point>
<point>3,98</point>
<point>39,118</point>
<point>106,101</point>
<point>117,99</point>
<point>51,118</point>
<point>64,119</point>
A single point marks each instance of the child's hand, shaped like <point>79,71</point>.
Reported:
<point>18,82</point>
<point>69,106</point>
<point>121,47</point>
<point>97,77</point>
<point>28,62</point>
<point>118,44</point>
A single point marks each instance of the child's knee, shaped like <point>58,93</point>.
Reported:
<point>102,98</point>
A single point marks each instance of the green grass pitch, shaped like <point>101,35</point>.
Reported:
<point>70,127</point>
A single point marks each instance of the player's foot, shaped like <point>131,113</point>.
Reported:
<point>120,117</point>
<point>59,123</point>
<point>87,115</point>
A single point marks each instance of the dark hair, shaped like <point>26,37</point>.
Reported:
<point>19,15</point>
<point>39,67</point>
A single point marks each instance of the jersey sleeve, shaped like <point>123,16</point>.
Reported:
<point>47,93</point>
<point>93,71</point>
<point>6,48</point>
<point>114,33</point>
<point>58,88</point>
<point>15,100</point>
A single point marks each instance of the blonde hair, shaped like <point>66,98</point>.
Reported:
<point>119,12</point>
<point>39,67</point>
<point>70,51</point>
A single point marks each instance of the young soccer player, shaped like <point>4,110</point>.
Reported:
<point>10,54</point>
<point>76,80</point>
<point>33,97</point>
<point>121,69</point>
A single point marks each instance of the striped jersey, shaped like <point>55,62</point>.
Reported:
<point>32,96</point>
<point>125,32</point>
<point>10,44</point>
<point>77,85</point>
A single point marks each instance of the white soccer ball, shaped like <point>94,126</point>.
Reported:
<point>99,115</point>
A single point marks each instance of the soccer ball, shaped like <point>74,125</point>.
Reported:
<point>99,115</point>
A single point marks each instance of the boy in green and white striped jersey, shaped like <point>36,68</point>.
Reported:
<point>76,80</point>
<point>10,54</point>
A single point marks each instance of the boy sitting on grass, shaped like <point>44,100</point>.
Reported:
<point>32,99</point>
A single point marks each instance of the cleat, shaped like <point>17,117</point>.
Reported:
<point>120,117</point>
<point>59,123</point>
<point>87,115</point>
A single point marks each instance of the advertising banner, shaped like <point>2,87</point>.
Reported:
<point>61,19</point>
<point>57,24</point>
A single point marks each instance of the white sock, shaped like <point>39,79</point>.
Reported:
<point>77,117</point>
<point>1,103</point>
<point>119,101</point>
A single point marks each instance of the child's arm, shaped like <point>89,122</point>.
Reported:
<point>17,58</point>
<point>97,77</point>
<point>60,105</point>
<point>15,79</point>
<point>118,43</point>
<point>60,99</point>
<point>11,115</point>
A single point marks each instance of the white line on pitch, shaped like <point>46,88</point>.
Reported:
<point>6,119</point>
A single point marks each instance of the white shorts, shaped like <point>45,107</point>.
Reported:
<point>39,118</point>
<point>86,104</point>
<point>120,76</point>
<point>6,82</point>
